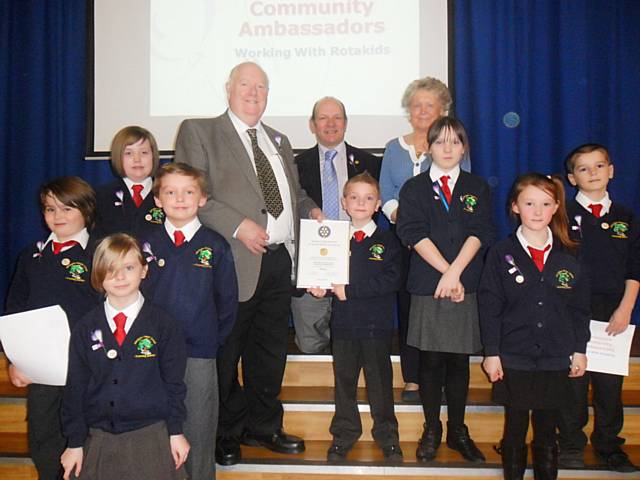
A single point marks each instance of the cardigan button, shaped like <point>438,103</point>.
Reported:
<point>539,325</point>
<point>540,303</point>
<point>263,211</point>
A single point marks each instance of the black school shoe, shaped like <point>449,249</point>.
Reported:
<point>337,453</point>
<point>458,439</point>
<point>429,442</point>
<point>227,451</point>
<point>571,458</point>
<point>278,442</point>
<point>617,461</point>
<point>392,453</point>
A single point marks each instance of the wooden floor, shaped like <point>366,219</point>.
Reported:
<point>307,396</point>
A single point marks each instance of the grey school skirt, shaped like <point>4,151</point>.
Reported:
<point>444,326</point>
<point>142,453</point>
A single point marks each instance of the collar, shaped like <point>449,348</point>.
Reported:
<point>525,243</point>
<point>340,148</point>
<point>368,229</point>
<point>82,237</point>
<point>147,184</point>
<point>189,230</point>
<point>436,172</point>
<point>411,149</point>
<point>130,311</point>
<point>585,201</point>
<point>239,125</point>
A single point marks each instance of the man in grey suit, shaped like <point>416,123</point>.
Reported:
<point>255,201</point>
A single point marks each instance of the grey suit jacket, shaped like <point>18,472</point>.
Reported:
<point>213,146</point>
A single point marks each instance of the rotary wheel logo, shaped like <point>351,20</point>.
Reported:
<point>324,231</point>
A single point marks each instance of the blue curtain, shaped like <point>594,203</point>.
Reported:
<point>569,70</point>
<point>42,114</point>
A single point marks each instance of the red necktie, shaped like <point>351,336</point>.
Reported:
<point>137,197</point>
<point>537,256</point>
<point>58,246</point>
<point>596,209</point>
<point>445,188</point>
<point>119,333</point>
<point>178,238</point>
<point>359,235</point>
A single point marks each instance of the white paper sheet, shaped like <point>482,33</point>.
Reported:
<point>323,255</point>
<point>37,343</point>
<point>609,354</point>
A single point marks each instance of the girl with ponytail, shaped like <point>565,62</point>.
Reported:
<point>534,320</point>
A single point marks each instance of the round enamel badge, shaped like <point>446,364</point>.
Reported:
<point>65,262</point>
<point>111,354</point>
<point>519,279</point>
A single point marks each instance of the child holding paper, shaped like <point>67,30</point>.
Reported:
<point>54,272</point>
<point>609,234</point>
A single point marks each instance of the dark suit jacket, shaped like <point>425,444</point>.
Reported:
<point>309,168</point>
<point>213,146</point>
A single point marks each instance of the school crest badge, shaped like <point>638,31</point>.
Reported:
<point>469,202</point>
<point>619,229</point>
<point>375,251</point>
<point>204,257</point>
<point>76,271</point>
<point>144,346</point>
<point>155,215</point>
<point>564,279</point>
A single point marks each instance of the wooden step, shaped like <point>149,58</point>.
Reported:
<point>317,371</point>
<point>366,459</point>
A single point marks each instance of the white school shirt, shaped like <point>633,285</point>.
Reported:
<point>130,311</point>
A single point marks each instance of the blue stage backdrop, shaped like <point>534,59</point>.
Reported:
<point>533,79</point>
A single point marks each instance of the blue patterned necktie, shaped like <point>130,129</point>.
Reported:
<point>330,197</point>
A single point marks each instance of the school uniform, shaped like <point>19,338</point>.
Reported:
<point>117,212</point>
<point>534,316</point>
<point>610,246</point>
<point>115,392</point>
<point>361,331</point>
<point>445,332</point>
<point>42,279</point>
<point>196,283</point>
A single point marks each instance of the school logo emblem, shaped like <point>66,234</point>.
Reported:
<point>564,278</point>
<point>619,229</point>
<point>376,251</point>
<point>469,202</point>
<point>75,271</point>
<point>204,256</point>
<point>324,231</point>
<point>144,346</point>
<point>155,215</point>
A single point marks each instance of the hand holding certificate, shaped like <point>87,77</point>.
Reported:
<point>37,343</point>
<point>323,254</point>
<point>609,353</point>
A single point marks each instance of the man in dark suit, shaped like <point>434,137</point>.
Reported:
<point>323,170</point>
<point>255,202</point>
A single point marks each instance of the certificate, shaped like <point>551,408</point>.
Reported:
<point>607,353</point>
<point>37,343</point>
<point>323,255</point>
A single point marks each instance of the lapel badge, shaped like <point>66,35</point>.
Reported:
<point>120,198</point>
<point>65,262</point>
<point>112,353</point>
<point>514,268</point>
